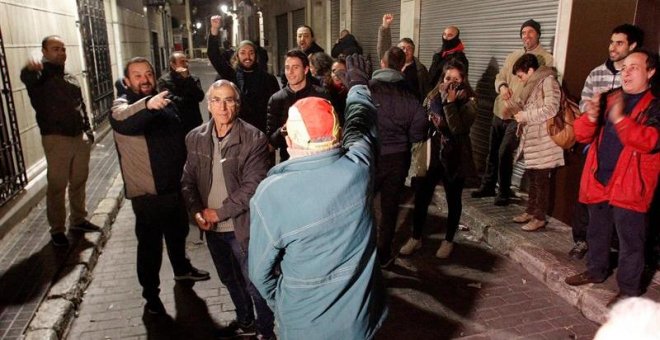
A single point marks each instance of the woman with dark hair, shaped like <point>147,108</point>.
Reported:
<point>320,65</point>
<point>539,101</point>
<point>452,109</point>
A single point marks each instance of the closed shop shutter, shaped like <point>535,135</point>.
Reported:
<point>490,30</point>
<point>334,20</point>
<point>282,26</point>
<point>297,20</point>
<point>367,17</point>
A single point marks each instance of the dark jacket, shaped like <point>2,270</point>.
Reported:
<point>439,62</point>
<point>56,97</point>
<point>313,48</point>
<point>150,146</point>
<point>186,93</point>
<point>278,109</point>
<point>347,45</point>
<point>245,166</point>
<point>451,145</point>
<point>216,54</point>
<point>401,117</point>
<point>256,86</point>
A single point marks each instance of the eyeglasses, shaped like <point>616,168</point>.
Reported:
<point>230,102</point>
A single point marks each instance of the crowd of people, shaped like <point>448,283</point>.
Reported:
<point>298,241</point>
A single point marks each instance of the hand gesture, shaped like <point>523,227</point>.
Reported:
<point>616,105</point>
<point>210,215</point>
<point>519,117</point>
<point>357,72</point>
<point>216,22</point>
<point>452,92</point>
<point>158,101</point>
<point>201,222</point>
<point>34,64</point>
<point>387,20</point>
<point>592,108</point>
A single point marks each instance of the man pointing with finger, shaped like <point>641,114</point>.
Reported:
<point>150,143</point>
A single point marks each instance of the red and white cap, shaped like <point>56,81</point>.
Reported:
<point>312,127</point>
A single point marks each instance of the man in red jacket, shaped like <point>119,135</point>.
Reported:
<point>620,173</point>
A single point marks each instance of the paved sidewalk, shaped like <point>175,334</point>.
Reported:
<point>542,253</point>
<point>29,264</point>
<point>478,294</point>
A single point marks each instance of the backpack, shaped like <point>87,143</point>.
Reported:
<point>560,127</point>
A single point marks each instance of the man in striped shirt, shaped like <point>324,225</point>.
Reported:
<point>625,38</point>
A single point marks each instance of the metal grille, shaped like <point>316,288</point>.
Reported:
<point>367,17</point>
<point>13,177</point>
<point>334,20</point>
<point>490,30</point>
<point>282,23</point>
<point>97,57</point>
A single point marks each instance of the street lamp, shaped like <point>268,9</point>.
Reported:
<point>198,25</point>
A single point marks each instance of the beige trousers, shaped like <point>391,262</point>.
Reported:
<point>68,166</point>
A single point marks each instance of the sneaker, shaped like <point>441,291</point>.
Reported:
<point>155,307</point>
<point>411,246</point>
<point>193,275</point>
<point>579,250</point>
<point>523,218</point>
<point>445,250</point>
<point>59,240</point>
<point>483,192</point>
<point>86,227</point>
<point>533,225</point>
<point>236,329</point>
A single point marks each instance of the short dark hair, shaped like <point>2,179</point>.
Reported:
<point>307,27</point>
<point>394,58</point>
<point>524,63</point>
<point>137,60</point>
<point>296,53</point>
<point>44,41</point>
<point>633,34</point>
<point>651,58</point>
<point>322,63</point>
<point>408,41</point>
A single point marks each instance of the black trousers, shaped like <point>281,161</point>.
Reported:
<point>391,172</point>
<point>158,216</point>
<point>499,164</point>
<point>424,188</point>
<point>630,226</point>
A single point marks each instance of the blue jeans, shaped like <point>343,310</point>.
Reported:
<point>231,261</point>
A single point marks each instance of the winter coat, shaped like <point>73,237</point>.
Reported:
<point>311,217</point>
<point>636,173</point>
<point>506,76</point>
<point>186,93</point>
<point>440,59</point>
<point>57,99</point>
<point>245,165</point>
<point>401,117</point>
<point>347,45</point>
<point>540,101</point>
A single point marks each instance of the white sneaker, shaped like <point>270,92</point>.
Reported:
<point>445,250</point>
<point>411,246</point>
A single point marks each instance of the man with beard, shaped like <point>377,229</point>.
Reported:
<point>625,38</point>
<point>452,49</point>
<point>503,140</point>
<point>150,144</point>
<point>256,85</point>
<point>306,41</point>
<point>185,91</point>
<point>62,119</point>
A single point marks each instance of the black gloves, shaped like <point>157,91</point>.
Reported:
<point>358,71</point>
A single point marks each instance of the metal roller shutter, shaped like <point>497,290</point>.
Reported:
<point>334,20</point>
<point>282,26</point>
<point>367,16</point>
<point>490,30</point>
<point>297,19</point>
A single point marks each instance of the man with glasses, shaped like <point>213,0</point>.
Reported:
<point>227,159</point>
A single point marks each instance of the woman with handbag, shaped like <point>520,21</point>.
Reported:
<point>540,101</point>
<point>452,109</point>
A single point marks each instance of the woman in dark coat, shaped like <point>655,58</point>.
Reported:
<point>452,109</point>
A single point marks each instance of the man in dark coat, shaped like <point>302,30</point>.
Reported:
<point>452,49</point>
<point>185,91</point>
<point>346,45</point>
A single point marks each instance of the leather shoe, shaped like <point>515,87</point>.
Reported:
<point>618,297</point>
<point>581,279</point>
<point>483,192</point>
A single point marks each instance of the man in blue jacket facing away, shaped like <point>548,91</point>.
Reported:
<point>313,247</point>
